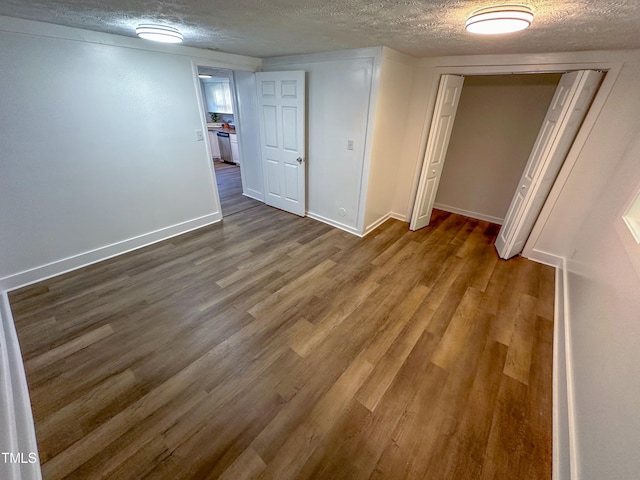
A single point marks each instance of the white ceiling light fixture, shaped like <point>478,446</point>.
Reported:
<point>159,33</point>
<point>500,19</point>
<point>204,75</point>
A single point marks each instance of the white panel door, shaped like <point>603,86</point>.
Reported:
<point>569,106</point>
<point>281,106</point>
<point>439,134</point>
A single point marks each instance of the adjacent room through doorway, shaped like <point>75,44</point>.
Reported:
<point>230,189</point>
<point>220,112</point>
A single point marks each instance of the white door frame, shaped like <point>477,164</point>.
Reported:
<point>237,120</point>
<point>507,68</point>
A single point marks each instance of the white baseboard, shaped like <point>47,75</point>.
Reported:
<point>564,456</point>
<point>545,258</point>
<point>18,434</point>
<point>333,223</point>
<point>399,216</point>
<point>74,262</point>
<point>381,220</point>
<point>376,224</point>
<point>469,213</point>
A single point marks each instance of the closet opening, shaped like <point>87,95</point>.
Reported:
<point>496,144</point>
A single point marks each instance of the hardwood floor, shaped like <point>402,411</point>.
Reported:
<point>276,347</point>
<point>230,189</point>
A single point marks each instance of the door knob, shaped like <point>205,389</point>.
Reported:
<point>299,160</point>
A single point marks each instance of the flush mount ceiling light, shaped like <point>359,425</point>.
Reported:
<point>501,19</point>
<point>205,75</point>
<point>159,33</point>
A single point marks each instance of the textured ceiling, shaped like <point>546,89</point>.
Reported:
<point>264,28</point>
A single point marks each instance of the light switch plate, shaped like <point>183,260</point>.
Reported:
<point>199,135</point>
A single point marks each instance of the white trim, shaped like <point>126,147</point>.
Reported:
<point>390,54</point>
<point>376,224</point>
<point>333,223</point>
<point>532,59</point>
<point>381,220</point>
<point>237,117</point>
<point>74,262</point>
<point>562,410</point>
<point>611,62</point>
<point>545,258</point>
<point>633,224</point>
<point>631,217</point>
<point>399,216</point>
<point>560,458</point>
<point>565,448</point>
<point>213,180</point>
<point>368,141</point>
<point>468,213</point>
<point>18,433</point>
<point>572,434</point>
<point>41,29</point>
<point>574,152</point>
<point>352,54</point>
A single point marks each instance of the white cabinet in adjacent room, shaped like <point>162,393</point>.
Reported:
<point>235,155</point>
<point>213,142</point>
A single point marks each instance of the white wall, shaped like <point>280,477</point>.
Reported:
<point>392,105</point>
<point>249,134</point>
<point>603,265</point>
<point>17,434</point>
<point>338,91</point>
<point>496,125</point>
<point>99,149</point>
<point>582,223</point>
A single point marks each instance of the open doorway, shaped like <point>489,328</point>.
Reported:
<point>567,109</point>
<point>219,102</point>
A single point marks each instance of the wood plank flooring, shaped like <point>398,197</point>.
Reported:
<point>230,189</point>
<point>275,347</point>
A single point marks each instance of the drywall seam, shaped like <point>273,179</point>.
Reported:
<point>74,262</point>
<point>468,213</point>
<point>18,435</point>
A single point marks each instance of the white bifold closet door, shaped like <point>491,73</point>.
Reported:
<point>437,144</point>
<point>568,108</point>
<point>282,119</point>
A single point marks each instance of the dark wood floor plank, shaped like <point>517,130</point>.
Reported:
<point>230,189</point>
<point>274,346</point>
